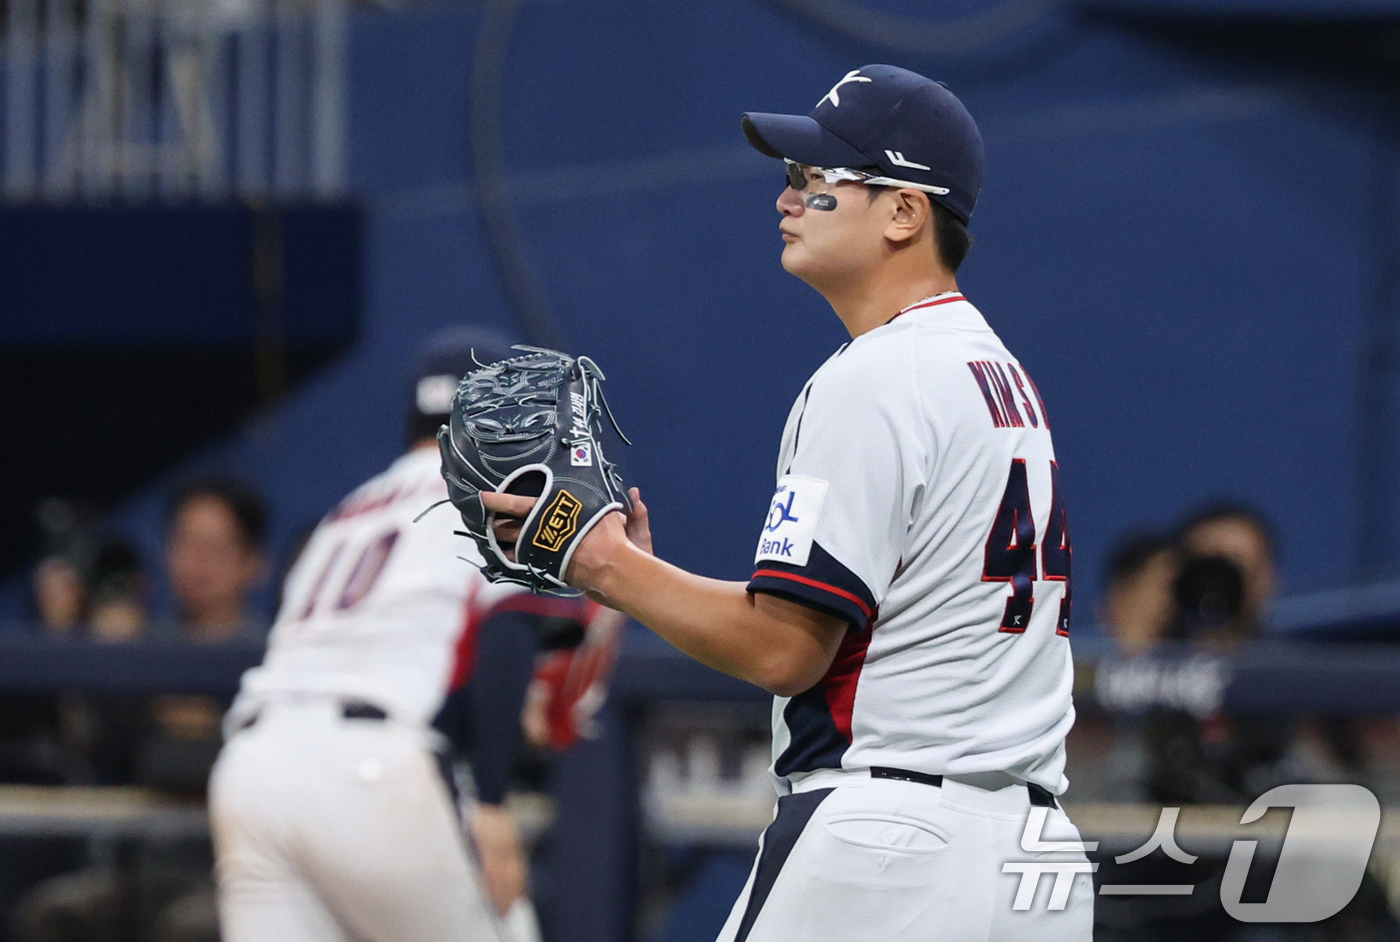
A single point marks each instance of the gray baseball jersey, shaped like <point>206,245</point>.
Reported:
<point>919,498</point>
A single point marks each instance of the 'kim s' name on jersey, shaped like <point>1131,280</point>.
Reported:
<point>996,380</point>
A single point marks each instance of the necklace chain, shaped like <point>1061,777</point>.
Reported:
<point>923,300</point>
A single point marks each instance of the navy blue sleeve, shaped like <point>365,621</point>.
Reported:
<point>823,584</point>
<point>482,717</point>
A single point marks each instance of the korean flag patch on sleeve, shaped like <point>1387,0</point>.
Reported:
<point>792,520</point>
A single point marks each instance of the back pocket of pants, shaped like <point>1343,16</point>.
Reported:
<point>887,832</point>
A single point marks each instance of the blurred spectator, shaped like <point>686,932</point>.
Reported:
<point>60,598</point>
<point>33,750</point>
<point>1219,598</point>
<point>96,590</point>
<point>163,890</point>
<point>96,587</point>
<point>1225,583</point>
<point>116,591</point>
<point>103,732</point>
<point>93,587</point>
<point>1137,604</point>
<point>59,582</point>
<point>1240,533</point>
<point>215,530</point>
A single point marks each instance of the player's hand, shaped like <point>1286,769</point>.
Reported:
<point>502,854</point>
<point>512,509</point>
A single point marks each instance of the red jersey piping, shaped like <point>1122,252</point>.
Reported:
<point>775,574</point>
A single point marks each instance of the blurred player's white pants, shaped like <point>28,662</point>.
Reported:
<point>895,861</point>
<point>330,830</point>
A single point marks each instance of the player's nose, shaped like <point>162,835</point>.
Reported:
<point>790,203</point>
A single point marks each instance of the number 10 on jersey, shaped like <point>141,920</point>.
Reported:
<point>1011,549</point>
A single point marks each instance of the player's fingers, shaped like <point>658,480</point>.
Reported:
<point>507,531</point>
<point>513,504</point>
<point>510,511</point>
<point>639,522</point>
<point>506,528</point>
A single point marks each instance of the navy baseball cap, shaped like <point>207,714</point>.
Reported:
<point>913,128</point>
<point>447,356</point>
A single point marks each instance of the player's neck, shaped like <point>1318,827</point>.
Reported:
<point>874,302</point>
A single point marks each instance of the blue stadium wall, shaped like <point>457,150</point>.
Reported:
<point>1185,249</point>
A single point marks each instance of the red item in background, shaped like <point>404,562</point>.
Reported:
<point>570,686</point>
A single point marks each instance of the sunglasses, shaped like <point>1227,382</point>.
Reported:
<point>797,178</point>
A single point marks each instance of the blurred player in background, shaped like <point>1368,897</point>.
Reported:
<point>334,808</point>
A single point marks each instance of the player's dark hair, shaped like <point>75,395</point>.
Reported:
<point>954,241</point>
<point>247,506</point>
<point>950,236</point>
<point>1131,554</point>
<point>1231,510</point>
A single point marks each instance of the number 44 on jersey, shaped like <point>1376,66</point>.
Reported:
<point>1011,549</point>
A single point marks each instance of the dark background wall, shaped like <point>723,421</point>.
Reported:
<point>1188,235</point>
<point>132,337</point>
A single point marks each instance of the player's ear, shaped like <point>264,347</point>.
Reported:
<point>910,213</point>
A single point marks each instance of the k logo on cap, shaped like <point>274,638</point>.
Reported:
<point>834,96</point>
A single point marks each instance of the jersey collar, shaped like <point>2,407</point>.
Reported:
<point>933,300</point>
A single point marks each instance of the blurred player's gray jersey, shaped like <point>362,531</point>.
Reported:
<point>916,497</point>
<point>377,604</point>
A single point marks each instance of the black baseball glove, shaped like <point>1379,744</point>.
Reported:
<point>530,426</point>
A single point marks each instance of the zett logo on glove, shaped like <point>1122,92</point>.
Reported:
<point>560,522</point>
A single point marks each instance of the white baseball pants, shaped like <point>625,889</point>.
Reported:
<point>329,829</point>
<point>849,858</point>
